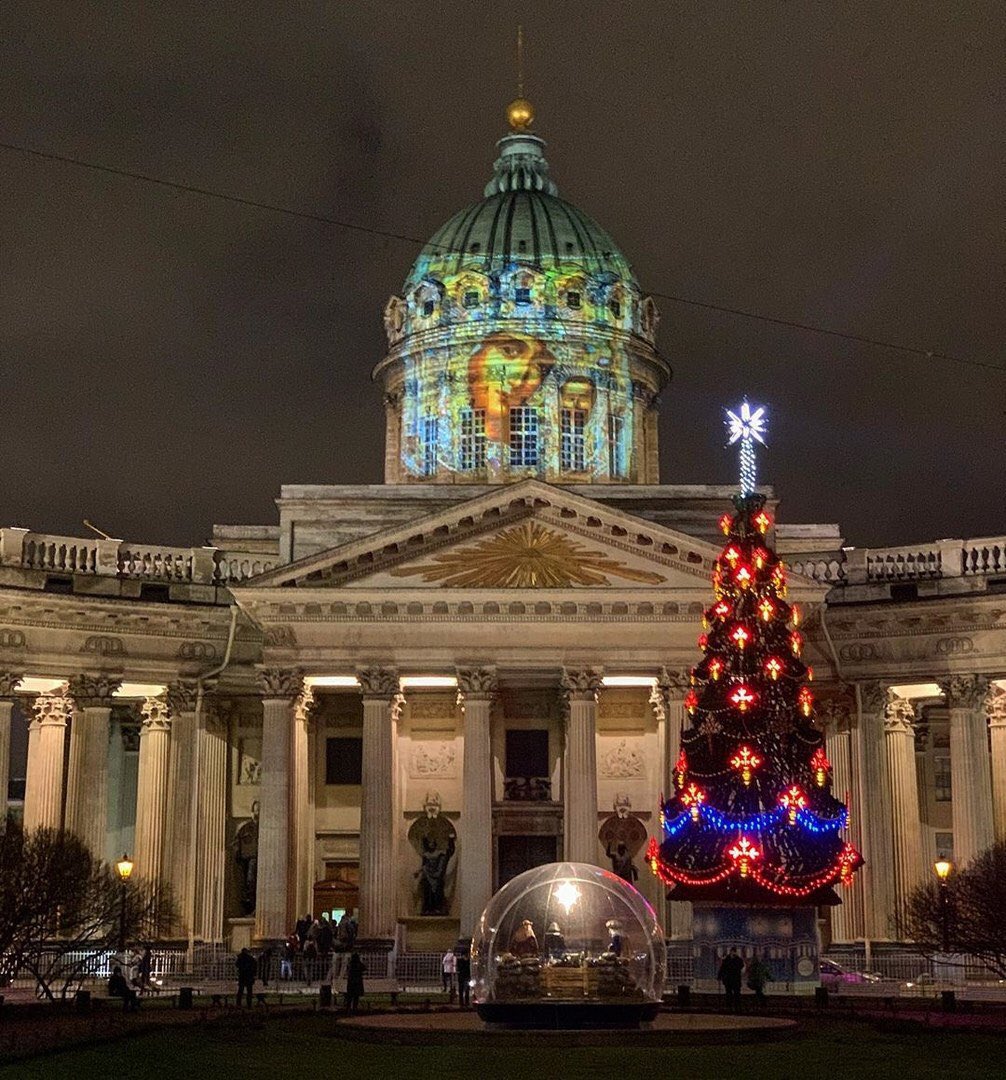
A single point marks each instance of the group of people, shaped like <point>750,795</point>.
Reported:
<point>132,977</point>
<point>734,972</point>
<point>316,948</point>
<point>457,966</point>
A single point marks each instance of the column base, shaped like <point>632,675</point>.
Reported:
<point>785,938</point>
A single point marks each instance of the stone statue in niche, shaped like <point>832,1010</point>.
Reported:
<point>623,837</point>
<point>434,839</point>
<point>246,857</point>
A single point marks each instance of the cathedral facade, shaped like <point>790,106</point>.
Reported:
<point>399,696</point>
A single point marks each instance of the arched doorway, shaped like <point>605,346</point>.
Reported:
<point>339,892</point>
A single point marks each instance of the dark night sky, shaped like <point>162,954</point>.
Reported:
<point>169,359</point>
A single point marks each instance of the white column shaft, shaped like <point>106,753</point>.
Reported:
<point>43,795</point>
<point>271,913</point>
<point>152,800</point>
<point>377,875</point>
<point>997,735</point>
<point>581,781</point>
<point>873,788</point>
<point>909,863</point>
<point>475,869</point>
<point>302,815</point>
<point>179,853</point>
<point>847,917</point>
<point>87,782</point>
<point>971,783</point>
<point>211,835</point>
<point>6,710</point>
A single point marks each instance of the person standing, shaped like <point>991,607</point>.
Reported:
<point>448,969</point>
<point>247,966</point>
<point>120,988</point>
<point>463,962</point>
<point>354,982</point>
<point>290,949</point>
<point>730,974</point>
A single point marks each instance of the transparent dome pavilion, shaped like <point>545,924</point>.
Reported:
<point>567,934</point>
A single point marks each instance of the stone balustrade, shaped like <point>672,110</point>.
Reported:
<point>980,557</point>
<point>117,558</point>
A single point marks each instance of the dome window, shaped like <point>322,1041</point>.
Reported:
<point>616,308</point>
<point>569,247</point>
<point>522,246</point>
<point>522,296</point>
<point>475,247</point>
<point>471,298</point>
<point>429,306</point>
<point>573,301</point>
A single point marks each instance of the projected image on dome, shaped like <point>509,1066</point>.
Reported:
<point>514,391</point>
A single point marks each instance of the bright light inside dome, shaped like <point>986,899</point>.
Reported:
<point>567,894</point>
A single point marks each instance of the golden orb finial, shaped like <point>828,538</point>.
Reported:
<point>520,114</point>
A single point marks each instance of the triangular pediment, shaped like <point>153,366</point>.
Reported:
<point>526,535</point>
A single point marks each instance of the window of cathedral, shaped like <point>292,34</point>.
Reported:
<point>523,436</point>
<point>573,450</point>
<point>616,308</point>
<point>522,296</point>
<point>616,446</point>
<point>473,439</point>
<point>344,760</point>
<point>471,298</point>
<point>429,445</point>
<point>944,844</point>
<point>428,307</point>
<point>941,778</point>
<point>573,301</point>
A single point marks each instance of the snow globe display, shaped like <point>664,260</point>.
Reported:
<point>568,944</point>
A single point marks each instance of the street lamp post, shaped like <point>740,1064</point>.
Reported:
<point>124,867</point>
<point>943,868</point>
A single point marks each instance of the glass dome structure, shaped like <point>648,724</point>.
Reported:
<point>568,943</point>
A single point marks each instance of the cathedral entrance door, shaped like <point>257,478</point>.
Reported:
<point>515,854</point>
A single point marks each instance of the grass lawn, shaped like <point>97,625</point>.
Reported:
<point>308,1047</point>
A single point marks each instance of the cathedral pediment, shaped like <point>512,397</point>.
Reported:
<point>528,535</point>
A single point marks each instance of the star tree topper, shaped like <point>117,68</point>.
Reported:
<point>746,426</point>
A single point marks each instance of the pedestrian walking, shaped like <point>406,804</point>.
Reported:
<point>449,970</point>
<point>758,975</point>
<point>731,974</point>
<point>464,970</point>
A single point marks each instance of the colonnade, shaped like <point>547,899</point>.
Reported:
<point>871,745</point>
<point>181,810</point>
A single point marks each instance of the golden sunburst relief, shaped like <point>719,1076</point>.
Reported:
<point>526,556</point>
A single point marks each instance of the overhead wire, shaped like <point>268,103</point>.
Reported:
<point>388,234</point>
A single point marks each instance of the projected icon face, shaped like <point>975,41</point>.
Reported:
<point>504,373</point>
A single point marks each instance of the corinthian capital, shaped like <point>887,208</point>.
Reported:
<point>477,684</point>
<point>285,683</point>
<point>899,715</point>
<point>836,713</point>
<point>155,715</point>
<point>378,682</point>
<point>581,685</point>
<point>9,682</point>
<point>182,695</point>
<point>92,691</point>
<point>965,691</point>
<point>52,708</point>
<point>674,682</point>
<point>996,705</point>
<point>873,695</point>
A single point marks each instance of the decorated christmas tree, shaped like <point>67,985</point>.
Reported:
<point>751,818</point>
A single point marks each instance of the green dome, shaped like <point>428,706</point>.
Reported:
<point>522,221</point>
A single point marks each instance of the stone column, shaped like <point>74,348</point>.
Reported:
<point>970,771</point>
<point>580,772</point>
<point>152,790</point>
<point>873,797</point>
<point>997,736</point>
<point>8,689</point>
<point>179,851</point>
<point>302,803</point>
<point>475,863</point>
<point>211,830</point>
<point>846,918</point>
<point>87,780</point>
<point>43,793</point>
<point>909,863</point>
<point>378,916</point>
<point>280,689</point>
<point>667,700</point>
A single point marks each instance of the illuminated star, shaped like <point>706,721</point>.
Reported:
<point>749,425</point>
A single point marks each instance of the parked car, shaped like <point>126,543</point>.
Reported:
<point>835,977</point>
<point>927,985</point>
